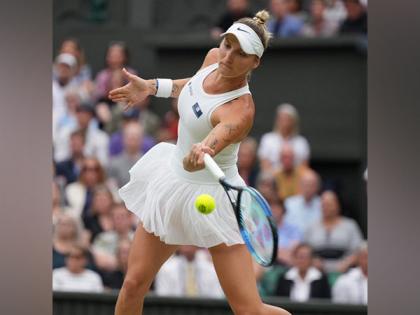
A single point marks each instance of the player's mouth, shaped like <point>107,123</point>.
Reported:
<point>226,66</point>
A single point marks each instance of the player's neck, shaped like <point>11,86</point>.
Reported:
<point>227,83</point>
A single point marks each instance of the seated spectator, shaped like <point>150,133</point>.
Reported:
<point>116,143</point>
<point>97,141</point>
<point>286,130</point>
<point>70,168</point>
<point>356,21</point>
<point>304,209</point>
<point>295,8</point>
<point>58,207</point>
<point>98,219</point>
<point>289,235</point>
<point>79,194</point>
<point>122,163</point>
<point>266,185</point>
<point>288,177</point>
<point>169,129</point>
<point>105,246</point>
<point>282,23</point>
<point>83,71</point>
<point>67,232</point>
<point>115,279</point>
<point>74,276</point>
<point>303,281</point>
<point>236,9</point>
<point>72,100</point>
<point>352,287</point>
<point>335,238</point>
<point>317,25</point>
<point>335,11</point>
<point>117,57</point>
<point>64,68</point>
<point>247,161</point>
<point>188,274</point>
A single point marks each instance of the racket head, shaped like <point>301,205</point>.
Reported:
<point>257,226</point>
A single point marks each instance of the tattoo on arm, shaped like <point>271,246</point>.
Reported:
<point>213,144</point>
<point>230,128</point>
<point>175,90</point>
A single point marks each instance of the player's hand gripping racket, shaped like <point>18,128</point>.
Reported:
<point>253,215</point>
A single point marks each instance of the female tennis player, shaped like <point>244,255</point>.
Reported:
<point>216,112</point>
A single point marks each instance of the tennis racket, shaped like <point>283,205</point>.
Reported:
<point>253,214</point>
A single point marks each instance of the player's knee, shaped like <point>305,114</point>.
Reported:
<point>136,287</point>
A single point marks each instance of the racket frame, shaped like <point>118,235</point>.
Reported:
<point>237,210</point>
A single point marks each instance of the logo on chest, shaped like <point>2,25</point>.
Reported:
<point>190,89</point>
<point>197,110</point>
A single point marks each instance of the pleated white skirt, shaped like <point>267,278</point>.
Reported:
<point>162,194</point>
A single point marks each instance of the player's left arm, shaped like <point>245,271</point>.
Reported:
<point>232,121</point>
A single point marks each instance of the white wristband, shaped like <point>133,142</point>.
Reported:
<point>164,87</point>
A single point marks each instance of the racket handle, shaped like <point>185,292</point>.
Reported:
<point>212,167</point>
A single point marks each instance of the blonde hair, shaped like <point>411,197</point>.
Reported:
<point>258,24</point>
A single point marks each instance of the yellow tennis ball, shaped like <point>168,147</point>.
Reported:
<point>205,204</point>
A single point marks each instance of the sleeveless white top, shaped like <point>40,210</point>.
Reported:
<point>195,107</point>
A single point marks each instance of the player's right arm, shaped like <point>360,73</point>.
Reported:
<point>137,89</point>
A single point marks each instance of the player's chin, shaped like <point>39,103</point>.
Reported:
<point>230,73</point>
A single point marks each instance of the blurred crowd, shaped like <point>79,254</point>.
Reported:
<point>304,18</point>
<point>322,253</point>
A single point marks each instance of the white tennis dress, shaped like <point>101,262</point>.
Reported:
<point>162,194</point>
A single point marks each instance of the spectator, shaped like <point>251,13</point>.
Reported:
<point>57,203</point>
<point>304,209</point>
<point>122,163</point>
<point>283,24</point>
<point>97,141</point>
<point>83,73</point>
<point>352,287</point>
<point>72,101</point>
<point>247,161</point>
<point>67,232</point>
<point>266,185</point>
<point>74,276</point>
<point>288,177</point>
<point>356,21</point>
<point>114,279</point>
<point>116,143</point>
<point>169,129</point>
<point>236,9</point>
<point>318,25</point>
<point>70,168</point>
<point>295,8</point>
<point>105,246</point>
<point>98,219</point>
<point>64,68</point>
<point>117,57</point>
<point>303,281</point>
<point>335,238</point>
<point>286,130</point>
<point>289,235</point>
<point>335,11</point>
<point>188,274</point>
<point>79,193</point>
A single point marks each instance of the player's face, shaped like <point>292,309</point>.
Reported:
<point>233,61</point>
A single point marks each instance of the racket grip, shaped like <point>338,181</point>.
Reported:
<point>212,167</point>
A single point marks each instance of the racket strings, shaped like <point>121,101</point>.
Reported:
<point>256,228</point>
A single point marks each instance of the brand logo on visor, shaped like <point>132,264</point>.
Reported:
<point>240,29</point>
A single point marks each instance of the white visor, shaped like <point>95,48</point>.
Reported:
<point>247,38</point>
